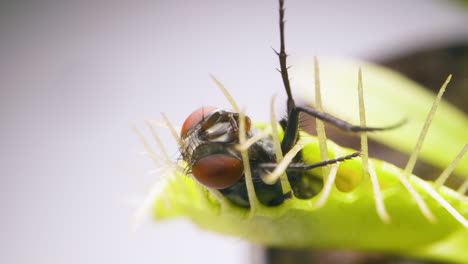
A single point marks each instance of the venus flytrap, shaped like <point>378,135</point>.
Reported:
<point>363,204</point>
<point>345,220</point>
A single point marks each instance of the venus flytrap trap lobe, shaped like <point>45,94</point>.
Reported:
<point>300,200</point>
<point>357,218</point>
<point>276,214</point>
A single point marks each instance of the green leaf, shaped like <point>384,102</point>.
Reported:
<point>347,220</point>
<point>423,221</point>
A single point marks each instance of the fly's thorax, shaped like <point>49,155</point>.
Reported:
<point>262,150</point>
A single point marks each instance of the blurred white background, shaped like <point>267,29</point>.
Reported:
<point>75,76</point>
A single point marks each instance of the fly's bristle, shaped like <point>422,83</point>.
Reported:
<point>285,185</point>
<point>414,156</point>
<point>366,170</point>
<point>446,173</point>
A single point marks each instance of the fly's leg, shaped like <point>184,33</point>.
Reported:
<point>302,167</point>
<point>304,184</point>
<point>282,56</point>
<point>291,124</point>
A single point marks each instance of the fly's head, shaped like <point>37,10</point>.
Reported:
<point>208,144</point>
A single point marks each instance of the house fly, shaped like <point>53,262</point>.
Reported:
<point>208,145</point>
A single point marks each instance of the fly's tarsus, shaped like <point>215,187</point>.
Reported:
<point>343,125</point>
<point>301,167</point>
<point>292,127</point>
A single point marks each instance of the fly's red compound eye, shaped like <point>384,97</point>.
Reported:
<point>218,171</point>
<point>195,117</point>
